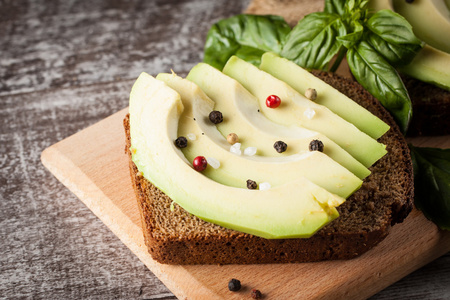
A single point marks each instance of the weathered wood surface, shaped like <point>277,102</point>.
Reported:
<point>50,44</point>
<point>56,59</point>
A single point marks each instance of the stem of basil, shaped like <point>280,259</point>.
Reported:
<point>340,56</point>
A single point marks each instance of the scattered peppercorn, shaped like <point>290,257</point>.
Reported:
<point>215,116</point>
<point>199,163</point>
<point>256,294</point>
<point>273,101</point>
<point>232,138</point>
<point>409,1</point>
<point>181,142</point>
<point>280,146</point>
<point>311,94</point>
<point>251,185</point>
<point>316,145</point>
<point>234,285</point>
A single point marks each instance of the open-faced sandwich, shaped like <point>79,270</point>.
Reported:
<point>240,167</point>
<point>254,159</point>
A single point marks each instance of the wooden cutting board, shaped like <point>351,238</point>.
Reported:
<point>93,165</point>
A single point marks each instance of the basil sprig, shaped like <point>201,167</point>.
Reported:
<point>374,44</point>
<point>432,183</point>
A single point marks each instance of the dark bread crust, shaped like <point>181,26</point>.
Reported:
<point>176,237</point>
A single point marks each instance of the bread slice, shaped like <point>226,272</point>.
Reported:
<point>173,236</point>
<point>431,108</point>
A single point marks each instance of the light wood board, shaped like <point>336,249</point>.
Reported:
<point>93,165</point>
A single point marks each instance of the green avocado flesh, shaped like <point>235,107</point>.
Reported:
<point>296,208</point>
<point>430,20</point>
<point>430,64</point>
<point>235,169</point>
<point>241,111</point>
<point>289,72</point>
<point>295,109</point>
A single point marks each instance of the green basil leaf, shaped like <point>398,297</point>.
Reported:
<point>355,6</point>
<point>432,183</point>
<point>245,34</point>
<point>350,5</point>
<point>375,74</point>
<point>351,39</point>
<point>250,54</point>
<point>392,36</point>
<point>397,55</point>
<point>392,27</point>
<point>312,42</point>
<point>335,7</point>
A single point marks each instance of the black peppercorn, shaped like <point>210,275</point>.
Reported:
<point>409,1</point>
<point>280,146</point>
<point>256,294</point>
<point>234,285</point>
<point>181,142</point>
<point>251,185</point>
<point>215,116</point>
<point>316,145</point>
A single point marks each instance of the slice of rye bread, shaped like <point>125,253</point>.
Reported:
<point>173,236</point>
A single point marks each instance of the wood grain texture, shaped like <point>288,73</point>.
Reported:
<point>93,165</point>
<point>62,43</point>
<point>292,11</point>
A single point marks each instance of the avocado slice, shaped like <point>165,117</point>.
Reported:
<point>242,116</point>
<point>295,209</point>
<point>235,170</point>
<point>328,96</point>
<point>296,109</point>
<point>430,65</point>
<point>430,20</point>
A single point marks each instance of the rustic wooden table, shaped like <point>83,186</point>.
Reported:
<point>59,61</point>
